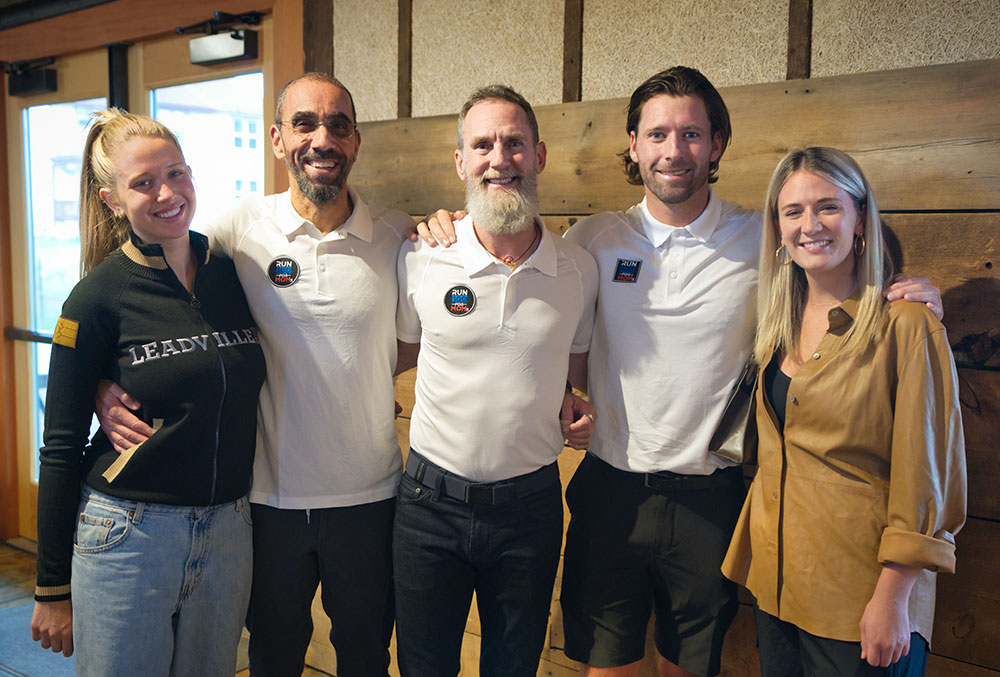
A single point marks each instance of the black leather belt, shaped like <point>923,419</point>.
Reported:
<point>454,486</point>
<point>665,482</point>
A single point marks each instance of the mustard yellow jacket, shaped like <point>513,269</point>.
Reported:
<point>870,469</point>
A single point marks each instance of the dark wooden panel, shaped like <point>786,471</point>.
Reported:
<point>799,39</point>
<point>960,253</point>
<point>980,393</point>
<point>404,69</point>
<point>967,622</point>
<point>572,50</point>
<point>938,666</point>
<point>317,35</point>
<point>921,134</point>
<point>739,652</point>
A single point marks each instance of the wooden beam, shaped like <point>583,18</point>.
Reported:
<point>573,51</point>
<point>404,70</point>
<point>799,39</point>
<point>317,35</point>
<point>120,21</point>
<point>920,133</point>
<point>8,414</point>
<point>286,57</point>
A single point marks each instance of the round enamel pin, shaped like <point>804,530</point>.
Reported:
<point>459,300</point>
<point>283,271</point>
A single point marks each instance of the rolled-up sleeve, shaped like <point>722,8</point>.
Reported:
<point>927,484</point>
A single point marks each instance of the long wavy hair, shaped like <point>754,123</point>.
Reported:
<point>101,230</point>
<point>781,291</point>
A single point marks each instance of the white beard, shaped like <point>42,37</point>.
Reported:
<point>502,212</point>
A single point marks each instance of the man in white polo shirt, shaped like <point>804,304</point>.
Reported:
<point>495,320</point>
<point>318,266</point>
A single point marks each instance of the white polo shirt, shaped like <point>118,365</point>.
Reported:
<point>675,321</point>
<point>494,350</point>
<point>325,307</point>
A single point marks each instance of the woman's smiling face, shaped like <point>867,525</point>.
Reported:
<point>153,189</point>
<point>818,221</point>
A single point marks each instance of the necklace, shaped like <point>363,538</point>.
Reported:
<point>511,261</point>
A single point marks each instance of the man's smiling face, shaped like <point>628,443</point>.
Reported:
<point>318,162</point>
<point>673,146</point>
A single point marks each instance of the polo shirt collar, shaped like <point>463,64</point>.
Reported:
<point>475,258</point>
<point>701,228</point>
<point>358,224</point>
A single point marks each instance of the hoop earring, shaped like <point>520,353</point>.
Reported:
<point>777,255</point>
<point>859,251</point>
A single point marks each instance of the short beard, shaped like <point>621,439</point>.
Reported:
<point>318,193</point>
<point>679,195</point>
<point>506,211</point>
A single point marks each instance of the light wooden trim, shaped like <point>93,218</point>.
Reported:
<point>284,58</point>
<point>8,390</point>
<point>81,76</point>
<point>120,21</point>
<point>166,62</point>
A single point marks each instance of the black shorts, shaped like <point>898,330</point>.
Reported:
<point>630,549</point>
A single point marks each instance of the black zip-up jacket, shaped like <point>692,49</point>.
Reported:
<point>194,363</point>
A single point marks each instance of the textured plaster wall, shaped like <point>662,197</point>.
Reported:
<point>854,36</point>
<point>733,42</point>
<point>366,54</point>
<point>459,46</point>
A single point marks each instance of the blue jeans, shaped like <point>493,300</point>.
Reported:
<point>159,589</point>
<point>443,549</point>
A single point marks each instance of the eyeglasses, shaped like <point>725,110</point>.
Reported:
<point>340,127</point>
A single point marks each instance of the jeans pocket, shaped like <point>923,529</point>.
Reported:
<point>243,508</point>
<point>411,491</point>
<point>101,528</point>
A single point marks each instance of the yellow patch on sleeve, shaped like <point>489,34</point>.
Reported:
<point>65,333</point>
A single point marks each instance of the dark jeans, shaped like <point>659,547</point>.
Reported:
<point>444,549</point>
<point>348,549</point>
<point>788,651</point>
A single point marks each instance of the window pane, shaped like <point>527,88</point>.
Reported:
<point>220,126</point>
<point>53,136</point>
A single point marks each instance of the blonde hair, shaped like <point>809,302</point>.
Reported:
<point>101,230</point>
<point>781,290</point>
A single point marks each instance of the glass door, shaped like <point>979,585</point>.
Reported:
<point>220,124</point>
<point>46,135</point>
<point>217,114</point>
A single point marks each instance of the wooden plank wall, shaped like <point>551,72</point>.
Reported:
<point>929,141</point>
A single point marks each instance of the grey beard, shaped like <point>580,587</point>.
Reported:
<point>318,194</point>
<point>505,213</point>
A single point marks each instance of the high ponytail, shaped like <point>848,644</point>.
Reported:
<point>101,230</point>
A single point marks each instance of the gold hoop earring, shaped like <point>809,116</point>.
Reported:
<point>858,251</point>
<point>777,255</point>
